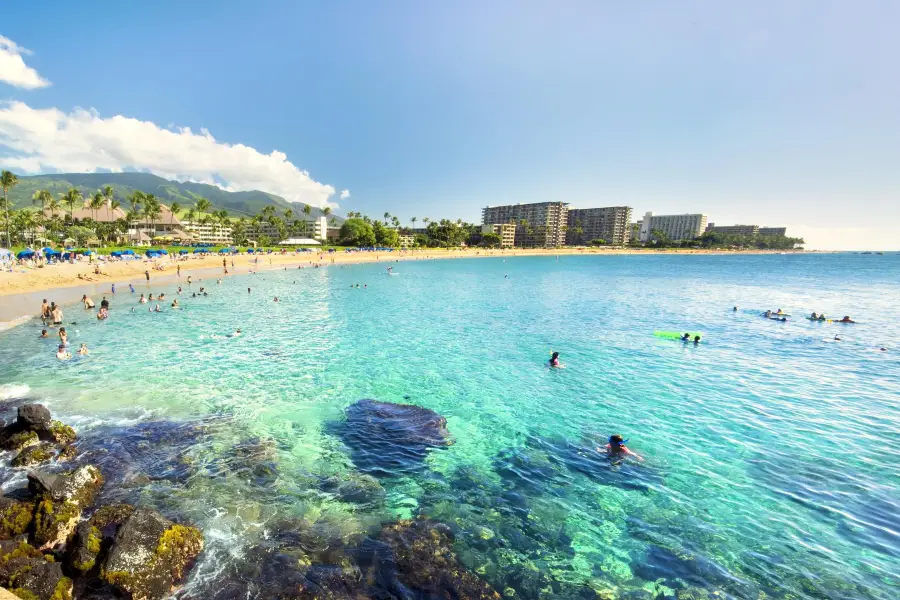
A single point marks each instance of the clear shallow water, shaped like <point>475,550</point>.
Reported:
<point>772,455</point>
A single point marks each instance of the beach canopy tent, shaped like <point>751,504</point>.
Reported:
<point>250,250</point>
<point>199,251</point>
<point>183,252</point>
<point>48,252</point>
<point>226,251</point>
<point>25,253</point>
<point>88,252</point>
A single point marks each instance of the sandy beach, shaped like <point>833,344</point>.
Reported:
<point>22,290</point>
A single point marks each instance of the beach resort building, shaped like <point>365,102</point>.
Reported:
<point>674,227</point>
<point>140,232</point>
<point>506,231</point>
<point>538,225</point>
<point>733,229</point>
<point>407,240</point>
<point>611,223</point>
<point>212,233</point>
<point>773,231</point>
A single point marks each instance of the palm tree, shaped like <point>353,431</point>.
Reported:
<point>307,209</point>
<point>395,222</point>
<point>190,215</point>
<point>137,198</point>
<point>71,199</point>
<point>109,195</point>
<point>96,204</point>
<point>413,221</point>
<point>326,211</point>
<point>174,209</point>
<point>332,222</point>
<point>7,181</point>
<point>44,197</point>
<point>203,205</point>
<point>288,215</point>
<point>426,220</point>
<point>387,216</point>
<point>151,211</point>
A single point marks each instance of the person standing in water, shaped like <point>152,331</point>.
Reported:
<point>45,312</point>
<point>554,361</point>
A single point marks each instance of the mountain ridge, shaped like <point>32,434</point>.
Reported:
<point>167,191</point>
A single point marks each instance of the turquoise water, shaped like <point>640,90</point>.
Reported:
<point>771,452</point>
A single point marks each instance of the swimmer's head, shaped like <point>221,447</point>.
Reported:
<point>44,333</point>
<point>554,356</point>
<point>62,347</point>
<point>616,440</point>
<point>696,339</point>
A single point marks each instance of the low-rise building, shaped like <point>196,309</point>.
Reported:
<point>674,227</point>
<point>407,240</point>
<point>609,223</point>
<point>209,233</point>
<point>506,231</point>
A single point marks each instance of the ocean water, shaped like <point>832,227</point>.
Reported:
<point>771,449</point>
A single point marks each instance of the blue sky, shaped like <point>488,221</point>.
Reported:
<point>766,112</point>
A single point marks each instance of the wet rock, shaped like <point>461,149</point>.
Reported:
<point>150,554</point>
<point>356,488</point>
<point>425,561</point>
<point>328,582</point>
<point>33,417</point>
<point>15,517</point>
<point>254,461</point>
<point>19,441</point>
<point>85,548</point>
<point>67,452</point>
<point>388,439</point>
<point>29,574</point>
<point>60,433</point>
<point>61,501</point>
<point>35,455</point>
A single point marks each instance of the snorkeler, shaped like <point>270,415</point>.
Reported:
<point>696,339</point>
<point>616,448</point>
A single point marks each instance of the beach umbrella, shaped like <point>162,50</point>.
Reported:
<point>47,249</point>
<point>199,250</point>
<point>162,251</point>
<point>88,252</point>
<point>129,252</point>
<point>25,254</point>
<point>183,252</point>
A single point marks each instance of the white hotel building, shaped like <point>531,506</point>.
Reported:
<point>676,227</point>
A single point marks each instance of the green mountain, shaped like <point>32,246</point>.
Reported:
<point>238,204</point>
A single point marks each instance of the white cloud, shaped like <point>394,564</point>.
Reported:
<point>13,69</point>
<point>345,194</point>
<point>39,140</point>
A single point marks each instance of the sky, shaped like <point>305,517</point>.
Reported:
<point>768,112</point>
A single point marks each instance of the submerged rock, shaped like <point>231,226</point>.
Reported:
<point>425,561</point>
<point>62,498</point>
<point>390,439</point>
<point>150,554</point>
<point>356,488</point>
<point>18,441</point>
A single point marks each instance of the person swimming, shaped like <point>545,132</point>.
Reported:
<point>237,333</point>
<point>142,299</point>
<point>696,339</point>
<point>846,319</point>
<point>62,353</point>
<point>44,333</point>
<point>554,361</point>
<point>814,316</point>
<point>83,350</point>
<point>157,309</point>
<point>734,309</point>
<point>686,337</point>
<point>175,303</point>
<point>616,448</point>
<point>150,298</point>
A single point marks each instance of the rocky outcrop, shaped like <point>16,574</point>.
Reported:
<point>31,575</point>
<point>32,426</point>
<point>390,439</point>
<point>33,417</point>
<point>18,440</point>
<point>61,499</point>
<point>356,488</point>
<point>150,554</point>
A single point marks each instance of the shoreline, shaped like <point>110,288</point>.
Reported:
<point>22,292</point>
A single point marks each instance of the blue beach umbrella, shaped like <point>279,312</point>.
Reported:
<point>199,250</point>
<point>129,252</point>
<point>25,254</point>
<point>162,251</point>
<point>183,252</point>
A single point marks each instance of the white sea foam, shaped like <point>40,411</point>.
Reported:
<point>13,390</point>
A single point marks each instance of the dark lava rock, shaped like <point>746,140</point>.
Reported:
<point>85,547</point>
<point>15,517</point>
<point>356,488</point>
<point>29,574</point>
<point>390,439</point>
<point>150,554</point>
<point>61,499</point>
<point>17,440</point>
<point>34,417</point>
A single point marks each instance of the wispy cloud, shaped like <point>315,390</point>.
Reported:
<point>13,69</point>
<point>40,140</point>
<point>345,194</point>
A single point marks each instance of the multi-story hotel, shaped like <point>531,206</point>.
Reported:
<point>733,229</point>
<point>541,224</point>
<point>612,223</point>
<point>675,227</point>
<point>506,231</point>
<point>773,231</point>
